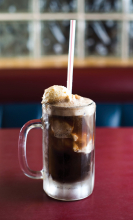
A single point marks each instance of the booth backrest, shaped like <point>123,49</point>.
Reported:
<point>16,115</point>
<point>110,115</point>
<point>100,84</point>
<point>106,86</point>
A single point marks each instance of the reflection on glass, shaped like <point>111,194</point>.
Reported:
<point>55,37</point>
<point>15,39</point>
<point>13,6</point>
<point>131,39</point>
<point>102,38</point>
<point>58,5</point>
<point>103,5</point>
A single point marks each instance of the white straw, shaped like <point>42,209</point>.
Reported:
<point>71,55</point>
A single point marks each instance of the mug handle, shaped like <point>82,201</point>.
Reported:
<point>36,123</point>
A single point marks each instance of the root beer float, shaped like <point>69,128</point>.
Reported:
<point>68,142</point>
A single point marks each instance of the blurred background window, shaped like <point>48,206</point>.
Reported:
<point>40,28</point>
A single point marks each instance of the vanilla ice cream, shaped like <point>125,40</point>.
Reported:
<point>61,96</point>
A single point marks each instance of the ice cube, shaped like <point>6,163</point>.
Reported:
<point>61,129</point>
<point>83,144</point>
<point>90,120</point>
<point>82,141</point>
<point>84,149</point>
<point>79,125</point>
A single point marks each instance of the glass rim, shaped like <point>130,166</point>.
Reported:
<point>68,107</point>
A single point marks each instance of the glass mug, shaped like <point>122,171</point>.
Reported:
<point>68,151</point>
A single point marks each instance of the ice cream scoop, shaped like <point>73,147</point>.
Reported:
<point>56,94</point>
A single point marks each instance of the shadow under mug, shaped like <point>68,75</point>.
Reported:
<point>68,151</point>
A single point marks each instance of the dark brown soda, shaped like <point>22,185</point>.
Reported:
<point>64,164</point>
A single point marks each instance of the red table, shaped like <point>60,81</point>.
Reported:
<point>112,199</point>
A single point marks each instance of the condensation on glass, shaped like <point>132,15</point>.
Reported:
<point>15,38</point>
<point>102,38</point>
<point>106,6</point>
